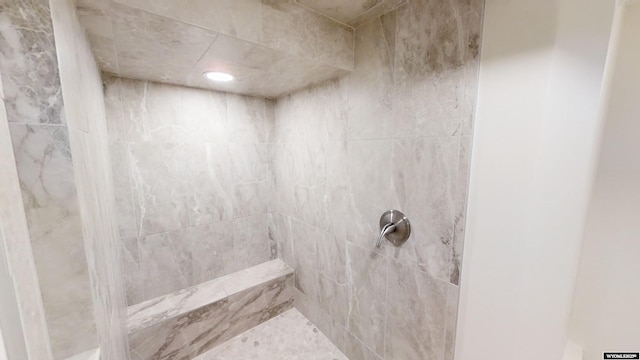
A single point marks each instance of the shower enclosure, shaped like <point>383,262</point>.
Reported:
<point>169,212</point>
<point>205,179</point>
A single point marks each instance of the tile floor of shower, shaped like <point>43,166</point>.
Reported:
<point>288,336</point>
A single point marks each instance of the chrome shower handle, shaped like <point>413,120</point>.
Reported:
<point>395,227</point>
<point>388,228</point>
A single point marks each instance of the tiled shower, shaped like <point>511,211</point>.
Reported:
<point>165,214</point>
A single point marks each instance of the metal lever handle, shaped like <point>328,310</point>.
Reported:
<point>388,228</point>
<point>395,227</point>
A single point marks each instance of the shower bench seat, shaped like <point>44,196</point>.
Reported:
<point>188,322</point>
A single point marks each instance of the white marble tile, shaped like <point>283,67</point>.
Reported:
<point>414,330</point>
<point>46,176</point>
<point>353,13</point>
<point>367,271</point>
<point>166,263</point>
<point>462,187</point>
<point>250,241</point>
<point>306,257</point>
<point>425,176</point>
<point>292,28</point>
<point>288,336</point>
<point>160,187</point>
<point>453,294</point>
<point>29,66</point>
<point>19,255</point>
<point>371,85</point>
<point>210,247</point>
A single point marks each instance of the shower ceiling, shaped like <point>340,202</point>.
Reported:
<point>352,12</point>
<point>272,47</point>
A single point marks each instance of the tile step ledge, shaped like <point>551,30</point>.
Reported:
<point>161,309</point>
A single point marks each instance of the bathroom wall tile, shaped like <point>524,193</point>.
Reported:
<point>357,350</point>
<point>280,228</point>
<point>416,315</point>
<point>210,246</point>
<point>133,274</point>
<point>367,275</point>
<point>409,109</point>
<point>430,202</point>
<point>205,114</point>
<point>45,169</point>
<point>250,241</point>
<point>166,263</point>
<point>18,249</point>
<point>198,166</point>
<point>430,57</point>
<point>371,85</point>
<point>372,186</point>
<point>28,64</point>
<point>250,119</point>
<point>453,293</point>
<point>333,298</point>
<point>315,36</point>
<point>462,187</point>
<point>133,124</point>
<point>326,102</point>
<point>125,201</point>
<point>331,328</point>
<point>306,257</point>
<point>159,186</point>
<point>332,253</point>
<point>211,192</point>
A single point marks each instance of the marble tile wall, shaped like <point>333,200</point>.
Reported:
<point>193,183</point>
<point>394,134</point>
<point>14,235</point>
<point>81,86</point>
<point>40,137</point>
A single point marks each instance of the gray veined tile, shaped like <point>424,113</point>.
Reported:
<point>306,258</point>
<point>210,246</point>
<point>166,262</point>
<point>31,83</point>
<point>425,177</point>
<point>140,35</point>
<point>371,85</point>
<point>250,241</point>
<point>159,186</point>
<point>416,316</point>
<point>367,271</point>
<point>241,19</point>
<point>316,36</point>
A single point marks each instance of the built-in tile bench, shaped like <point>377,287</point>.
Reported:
<point>186,323</point>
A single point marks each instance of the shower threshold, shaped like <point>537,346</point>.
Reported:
<point>288,336</point>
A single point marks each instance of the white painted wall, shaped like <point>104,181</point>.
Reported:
<point>606,307</point>
<point>535,143</point>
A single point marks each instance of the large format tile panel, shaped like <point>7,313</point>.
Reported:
<point>191,321</point>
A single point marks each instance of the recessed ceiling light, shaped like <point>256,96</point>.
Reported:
<point>218,76</point>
